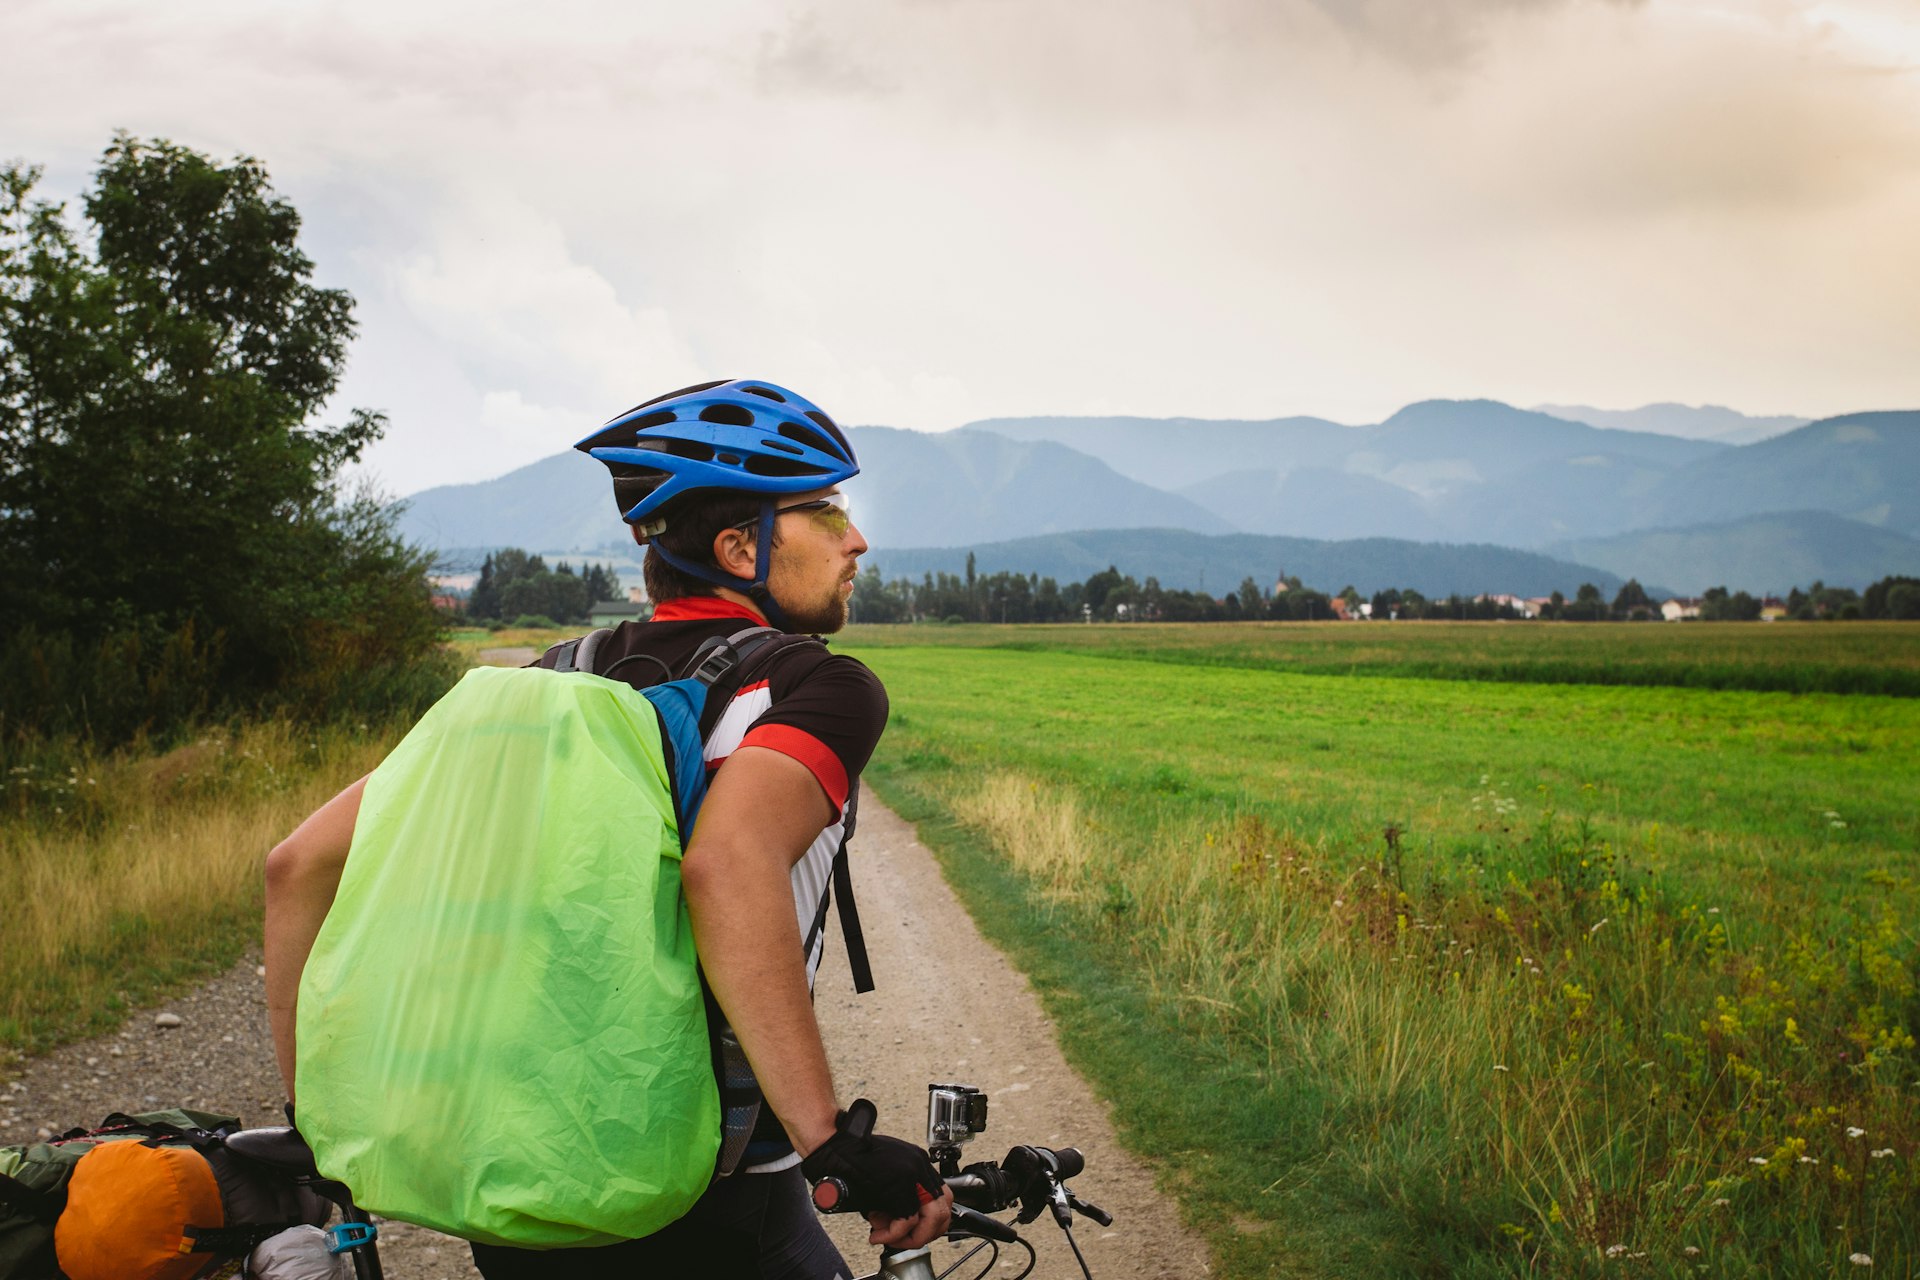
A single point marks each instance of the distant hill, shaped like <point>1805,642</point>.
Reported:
<point>1864,466</point>
<point>1192,561</point>
<point>914,486</point>
<point>1693,422</point>
<point>974,486</point>
<point>1767,553</point>
<point>1454,472</point>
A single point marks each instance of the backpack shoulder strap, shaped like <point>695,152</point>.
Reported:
<point>577,654</point>
<point>721,664</point>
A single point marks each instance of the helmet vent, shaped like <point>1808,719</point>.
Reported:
<point>768,392</point>
<point>658,418</point>
<point>730,415</point>
<point>824,421</point>
<point>781,445</point>
<point>761,465</point>
<point>794,431</point>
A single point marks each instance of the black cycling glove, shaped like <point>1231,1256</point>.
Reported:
<point>883,1175</point>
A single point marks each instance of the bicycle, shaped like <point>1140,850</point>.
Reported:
<point>1032,1178</point>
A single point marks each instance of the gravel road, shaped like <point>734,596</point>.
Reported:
<point>949,1007</point>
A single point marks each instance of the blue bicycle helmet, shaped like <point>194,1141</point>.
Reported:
<point>745,436</point>
<point>742,436</point>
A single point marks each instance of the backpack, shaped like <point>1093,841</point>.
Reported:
<point>502,1031</point>
<point>153,1196</point>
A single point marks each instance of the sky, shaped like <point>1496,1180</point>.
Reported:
<point>920,213</point>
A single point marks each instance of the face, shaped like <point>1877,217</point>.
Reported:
<point>813,567</point>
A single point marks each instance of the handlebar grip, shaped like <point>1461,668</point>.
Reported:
<point>1068,1163</point>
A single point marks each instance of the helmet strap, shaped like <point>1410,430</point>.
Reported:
<point>754,588</point>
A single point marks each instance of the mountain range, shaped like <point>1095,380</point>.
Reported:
<point>1837,499</point>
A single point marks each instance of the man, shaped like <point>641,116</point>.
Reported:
<point>734,489</point>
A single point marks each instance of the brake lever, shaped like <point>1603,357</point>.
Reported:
<point>979,1224</point>
<point>1087,1208</point>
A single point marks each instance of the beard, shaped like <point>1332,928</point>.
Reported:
<point>818,617</point>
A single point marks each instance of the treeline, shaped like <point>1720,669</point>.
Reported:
<point>1111,596</point>
<point>175,541</point>
<point>519,589</point>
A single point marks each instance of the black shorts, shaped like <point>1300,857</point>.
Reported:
<point>750,1225</point>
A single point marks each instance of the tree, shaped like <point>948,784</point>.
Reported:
<point>1884,599</point>
<point>1587,605</point>
<point>161,475</point>
<point>1632,604</point>
<point>1252,602</point>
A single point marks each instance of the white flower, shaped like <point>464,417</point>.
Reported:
<point>1882,1153</point>
<point>1808,1160</point>
<point>1596,927</point>
<point>1855,1133</point>
<point>1722,1203</point>
<point>1692,1251</point>
<point>1499,1066</point>
<point>1756,1159</point>
<point>1615,1250</point>
<point>1713,911</point>
<point>1837,823</point>
<point>1860,1259</point>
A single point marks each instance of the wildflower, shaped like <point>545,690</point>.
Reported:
<point>1615,1250</point>
<point>1500,1066</point>
<point>1837,823</point>
<point>1881,1154</point>
<point>1713,911</point>
<point>1860,1259</point>
<point>1596,927</point>
<point>1756,1159</point>
<point>1722,1203</point>
<point>1808,1160</point>
<point>1855,1133</point>
<point>1692,1251</point>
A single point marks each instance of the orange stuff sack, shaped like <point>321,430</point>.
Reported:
<point>131,1210</point>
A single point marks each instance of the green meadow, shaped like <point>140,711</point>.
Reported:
<point>1394,975</point>
<point>1841,657</point>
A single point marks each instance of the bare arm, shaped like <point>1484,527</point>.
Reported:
<point>303,873</point>
<point>761,813</point>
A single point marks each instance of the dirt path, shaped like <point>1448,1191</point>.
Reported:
<point>949,1007</point>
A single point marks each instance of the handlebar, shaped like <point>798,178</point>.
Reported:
<point>1034,1178</point>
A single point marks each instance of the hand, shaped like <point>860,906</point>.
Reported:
<point>884,1176</point>
<point>933,1220</point>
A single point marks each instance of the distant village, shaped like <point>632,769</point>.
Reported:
<point>513,587</point>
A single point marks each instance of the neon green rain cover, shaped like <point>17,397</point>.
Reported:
<point>501,1033</point>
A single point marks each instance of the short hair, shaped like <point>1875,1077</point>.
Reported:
<point>693,521</point>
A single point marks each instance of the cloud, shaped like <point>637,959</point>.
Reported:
<point>502,287</point>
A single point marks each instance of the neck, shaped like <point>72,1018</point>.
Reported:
<point>740,598</point>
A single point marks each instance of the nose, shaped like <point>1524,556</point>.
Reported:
<point>856,541</point>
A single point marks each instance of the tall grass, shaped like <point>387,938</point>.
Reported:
<point>125,872</point>
<point>1541,1062</point>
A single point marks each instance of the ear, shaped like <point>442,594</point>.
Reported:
<point>733,552</point>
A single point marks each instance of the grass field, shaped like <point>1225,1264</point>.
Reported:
<point>1866,657</point>
<point>1400,976</point>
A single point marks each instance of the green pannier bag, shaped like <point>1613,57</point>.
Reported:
<point>501,1029</point>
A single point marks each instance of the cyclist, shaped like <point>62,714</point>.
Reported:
<point>734,488</point>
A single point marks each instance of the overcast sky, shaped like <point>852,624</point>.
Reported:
<point>922,212</point>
